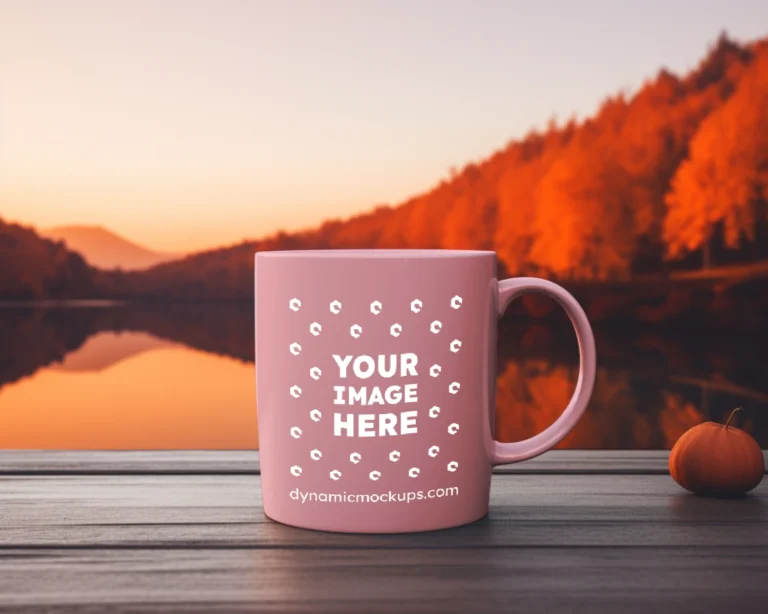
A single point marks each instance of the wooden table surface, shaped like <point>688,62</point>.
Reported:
<point>184,532</point>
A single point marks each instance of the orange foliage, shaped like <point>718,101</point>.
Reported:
<point>649,176</point>
<point>582,225</point>
<point>677,417</point>
<point>725,179</point>
<point>531,395</point>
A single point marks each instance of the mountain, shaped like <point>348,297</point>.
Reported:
<point>105,249</point>
<point>34,268</point>
<point>94,338</point>
<point>674,177</point>
<point>108,348</point>
<point>633,190</point>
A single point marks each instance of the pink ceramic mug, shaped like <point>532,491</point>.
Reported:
<point>376,378</point>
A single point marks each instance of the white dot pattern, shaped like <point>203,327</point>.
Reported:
<point>356,331</point>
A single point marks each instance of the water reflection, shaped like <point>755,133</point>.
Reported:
<point>105,349</point>
<point>139,393</point>
<point>127,377</point>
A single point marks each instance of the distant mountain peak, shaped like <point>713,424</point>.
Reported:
<point>106,249</point>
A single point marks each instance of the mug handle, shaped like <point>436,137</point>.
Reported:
<point>509,290</point>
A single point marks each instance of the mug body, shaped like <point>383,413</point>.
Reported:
<point>375,387</point>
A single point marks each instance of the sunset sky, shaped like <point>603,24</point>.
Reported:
<point>189,124</point>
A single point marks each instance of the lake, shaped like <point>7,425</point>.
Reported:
<point>106,376</point>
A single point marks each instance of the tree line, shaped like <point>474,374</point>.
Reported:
<point>673,176</point>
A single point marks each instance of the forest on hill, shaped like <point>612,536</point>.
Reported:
<point>33,268</point>
<point>673,177</point>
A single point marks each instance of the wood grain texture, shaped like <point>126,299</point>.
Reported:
<point>474,580</point>
<point>225,512</point>
<point>138,462</point>
<point>137,542</point>
<point>246,462</point>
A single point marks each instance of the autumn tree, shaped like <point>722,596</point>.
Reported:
<point>470,217</point>
<point>34,268</point>
<point>526,164</point>
<point>724,182</point>
<point>583,221</point>
<point>514,232</point>
<point>582,226</point>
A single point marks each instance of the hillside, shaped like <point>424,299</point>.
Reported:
<point>105,249</point>
<point>672,178</point>
<point>33,268</point>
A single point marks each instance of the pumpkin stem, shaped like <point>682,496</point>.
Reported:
<point>733,413</point>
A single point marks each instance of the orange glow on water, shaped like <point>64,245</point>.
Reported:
<point>168,397</point>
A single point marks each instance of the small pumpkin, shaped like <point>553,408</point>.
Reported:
<point>717,460</point>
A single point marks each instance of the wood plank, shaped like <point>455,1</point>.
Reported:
<point>655,579</point>
<point>129,462</point>
<point>200,543</point>
<point>219,512</point>
<point>57,462</point>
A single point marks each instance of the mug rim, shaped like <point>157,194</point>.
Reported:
<point>376,253</point>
